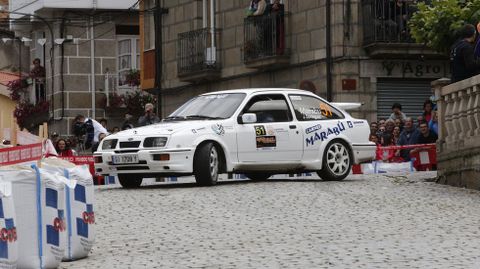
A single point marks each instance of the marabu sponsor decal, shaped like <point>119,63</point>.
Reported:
<point>321,136</point>
<point>313,129</point>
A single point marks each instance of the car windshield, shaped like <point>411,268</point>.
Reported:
<point>207,107</point>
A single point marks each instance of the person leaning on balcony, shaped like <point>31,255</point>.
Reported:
<point>37,73</point>
<point>463,62</point>
<point>261,6</point>
<point>149,117</point>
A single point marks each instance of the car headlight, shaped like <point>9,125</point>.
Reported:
<point>109,143</point>
<point>155,142</point>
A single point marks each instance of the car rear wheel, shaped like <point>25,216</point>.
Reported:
<point>130,181</point>
<point>258,176</point>
<point>337,161</point>
<point>206,165</point>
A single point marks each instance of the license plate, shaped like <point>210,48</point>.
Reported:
<point>121,159</point>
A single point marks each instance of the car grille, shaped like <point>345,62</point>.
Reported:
<point>130,144</point>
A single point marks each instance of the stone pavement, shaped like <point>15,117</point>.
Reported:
<point>366,221</point>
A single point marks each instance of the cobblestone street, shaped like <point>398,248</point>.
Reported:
<point>369,221</point>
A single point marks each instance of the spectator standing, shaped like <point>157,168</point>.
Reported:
<point>397,112</point>
<point>426,136</point>
<point>373,138</point>
<point>62,149</point>
<point>127,124</point>
<point>463,62</point>
<point>115,130</point>
<point>103,122</point>
<point>396,135</point>
<point>37,73</point>
<point>373,127</point>
<point>381,130</point>
<point>427,110</point>
<point>389,125</point>
<point>101,136</point>
<point>399,124</point>
<point>149,117</point>
<point>433,123</point>
<point>89,127</point>
<point>409,136</point>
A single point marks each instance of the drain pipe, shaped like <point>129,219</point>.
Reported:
<point>328,47</point>
<point>92,67</point>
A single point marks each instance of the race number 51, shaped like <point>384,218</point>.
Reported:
<point>260,130</point>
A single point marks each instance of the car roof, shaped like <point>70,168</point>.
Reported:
<point>256,90</point>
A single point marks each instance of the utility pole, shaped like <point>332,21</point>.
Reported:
<point>159,11</point>
<point>328,48</point>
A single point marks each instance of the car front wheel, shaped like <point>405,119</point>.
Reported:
<point>206,165</point>
<point>130,181</point>
<point>337,161</point>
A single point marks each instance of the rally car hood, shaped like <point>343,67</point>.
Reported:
<point>167,128</point>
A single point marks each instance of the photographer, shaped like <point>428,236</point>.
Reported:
<point>149,117</point>
<point>90,128</point>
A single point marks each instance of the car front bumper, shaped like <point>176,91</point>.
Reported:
<point>180,161</point>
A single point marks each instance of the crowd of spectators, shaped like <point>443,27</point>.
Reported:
<point>401,130</point>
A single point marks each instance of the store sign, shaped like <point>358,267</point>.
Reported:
<point>417,69</point>
<point>404,69</point>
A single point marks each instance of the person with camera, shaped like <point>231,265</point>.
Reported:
<point>149,117</point>
<point>89,128</point>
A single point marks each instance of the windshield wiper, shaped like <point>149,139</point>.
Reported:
<point>172,118</point>
<point>203,117</point>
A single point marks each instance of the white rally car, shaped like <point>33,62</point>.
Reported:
<point>257,132</point>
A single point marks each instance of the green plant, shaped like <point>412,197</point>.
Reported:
<point>132,78</point>
<point>135,101</point>
<point>436,24</point>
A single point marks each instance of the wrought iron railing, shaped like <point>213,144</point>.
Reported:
<point>386,21</point>
<point>265,36</point>
<point>198,51</point>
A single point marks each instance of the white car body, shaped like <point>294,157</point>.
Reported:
<point>273,147</point>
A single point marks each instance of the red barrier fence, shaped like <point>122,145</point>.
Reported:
<point>424,156</point>
<point>20,154</point>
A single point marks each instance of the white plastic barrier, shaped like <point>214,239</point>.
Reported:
<point>80,216</point>
<point>8,230</point>
<point>39,200</point>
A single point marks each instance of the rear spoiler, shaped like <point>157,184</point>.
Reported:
<point>347,106</point>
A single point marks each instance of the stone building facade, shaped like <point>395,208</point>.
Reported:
<point>374,71</point>
<point>104,36</point>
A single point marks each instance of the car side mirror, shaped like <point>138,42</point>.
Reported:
<point>248,118</point>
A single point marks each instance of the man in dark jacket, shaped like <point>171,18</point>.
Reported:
<point>463,62</point>
<point>409,136</point>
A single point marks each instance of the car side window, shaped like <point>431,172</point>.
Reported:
<point>269,108</point>
<point>309,108</point>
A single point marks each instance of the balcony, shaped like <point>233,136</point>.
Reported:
<point>198,55</point>
<point>265,39</point>
<point>386,31</point>
<point>458,146</point>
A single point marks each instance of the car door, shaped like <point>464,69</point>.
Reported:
<point>274,137</point>
<point>318,121</point>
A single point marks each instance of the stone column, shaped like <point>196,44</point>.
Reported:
<point>437,86</point>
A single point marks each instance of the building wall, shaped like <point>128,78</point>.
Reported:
<point>307,28</point>
<point>72,93</point>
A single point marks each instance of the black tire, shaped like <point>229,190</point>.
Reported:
<point>130,181</point>
<point>337,161</point>
<point>258,176</point>
<point>206,165</point>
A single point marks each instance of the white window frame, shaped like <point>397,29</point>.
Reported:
<point>134,56</point>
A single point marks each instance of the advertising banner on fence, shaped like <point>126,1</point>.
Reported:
<point>20,154</point>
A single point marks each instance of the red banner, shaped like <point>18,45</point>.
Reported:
<point>14,155</point>
<point>81,160</point>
